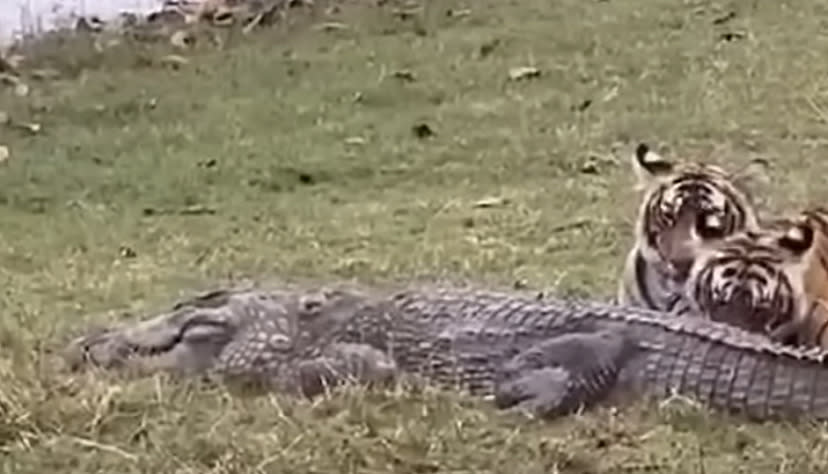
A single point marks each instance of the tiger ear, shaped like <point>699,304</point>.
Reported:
<point>649,166</point>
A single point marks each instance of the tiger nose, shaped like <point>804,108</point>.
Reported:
<point>743,297</point>
<point>682,267</point>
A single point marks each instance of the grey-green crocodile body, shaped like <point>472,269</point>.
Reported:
<point>550,356</point>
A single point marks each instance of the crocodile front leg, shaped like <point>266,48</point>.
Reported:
<point>563,374</point>
<point>359,364</point>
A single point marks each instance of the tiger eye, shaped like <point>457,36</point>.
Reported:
<point>710,226</point>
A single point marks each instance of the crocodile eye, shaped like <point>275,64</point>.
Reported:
<point>311,304</point>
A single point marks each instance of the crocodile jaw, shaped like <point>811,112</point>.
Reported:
<point>184,342</point>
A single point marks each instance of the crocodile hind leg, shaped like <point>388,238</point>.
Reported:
<point>563,374</point>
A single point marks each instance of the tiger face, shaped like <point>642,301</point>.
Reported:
<point>765,280</point>
<point>687,206</point>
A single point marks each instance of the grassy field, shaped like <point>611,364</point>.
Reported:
<point>296,152</point>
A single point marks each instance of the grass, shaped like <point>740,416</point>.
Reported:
<point>292,153</point>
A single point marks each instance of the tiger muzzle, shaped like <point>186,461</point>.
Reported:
<point>744,309</point>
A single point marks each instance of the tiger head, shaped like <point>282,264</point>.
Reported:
<point>759,280</point>
<point>688,205</point>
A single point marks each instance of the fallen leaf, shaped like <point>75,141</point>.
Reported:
<point>731,36</point>
<point>30,127</point>
<point>6,65</point>
<point>4,153</point>
<point>45,73</point>
<point>355,141</point>
<point>194,210</point>
<point>406,14</point>
<point>489,202</point>
<point>451,13</point>
<point>582,106</point>
<point>15,60</point>
<point>488,47</point>
<point>523,72</point>
<point>589,167</point>
<point>331,26</point>
<point>9,79</point>
<point>173,60</point>
<point>422,130</point>
<point>209,163</point>
<point>724,19</point>
<point>127,252</point>
<point>197,210</point>
<point>404,75</point>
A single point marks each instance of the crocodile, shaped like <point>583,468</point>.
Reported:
<point>548,356</point>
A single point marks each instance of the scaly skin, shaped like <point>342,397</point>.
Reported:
<point>549,356</point>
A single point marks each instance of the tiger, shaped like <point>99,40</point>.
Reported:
<point>683,205</point>
<point>773,281</point>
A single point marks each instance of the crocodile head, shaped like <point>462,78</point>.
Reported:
<point>228,331</point>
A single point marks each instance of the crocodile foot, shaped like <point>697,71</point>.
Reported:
<point>359,364</point>
<point>563,374</point>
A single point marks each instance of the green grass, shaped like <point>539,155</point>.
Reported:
<point>262,133</point>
